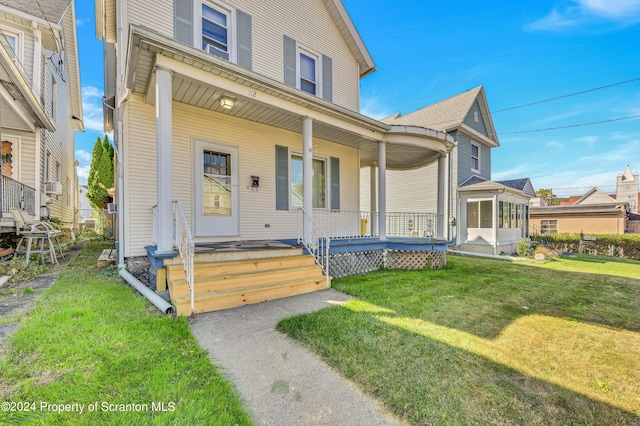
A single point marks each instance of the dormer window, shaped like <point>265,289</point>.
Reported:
<point>215,31</point>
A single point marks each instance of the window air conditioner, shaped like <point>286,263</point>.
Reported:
<point>52,187</point>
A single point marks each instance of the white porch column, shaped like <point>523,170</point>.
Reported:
<point>307,176</point>
<point>382,189</point>
<point>164,173</point>
<point>496,224</point>
<point>373,202</point>
<point>442,178</point>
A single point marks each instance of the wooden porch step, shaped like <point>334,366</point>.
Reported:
<point>204,284</point>
<point>231,298</point>
<point>240,255</point>
<point>176,272</point>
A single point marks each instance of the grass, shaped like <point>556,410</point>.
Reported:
<point>489,342</point>
<point>91,339</point>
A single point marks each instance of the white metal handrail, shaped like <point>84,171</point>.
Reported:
<point>317,243</point>
<point>347,224</point>
<point>183,240</point>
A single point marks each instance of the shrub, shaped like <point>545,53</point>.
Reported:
<point>523,248</point>
<point>619,245</point>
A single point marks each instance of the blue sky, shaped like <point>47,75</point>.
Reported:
<point>521,51</point>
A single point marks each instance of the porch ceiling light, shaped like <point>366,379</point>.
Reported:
<point>227,102</point>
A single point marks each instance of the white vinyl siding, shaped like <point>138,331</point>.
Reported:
<point>306,21</point>
<point>407,190</point>
<point>256,150</point>
<point>61,145</point>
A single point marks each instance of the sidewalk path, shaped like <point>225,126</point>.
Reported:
<point>280,382</point>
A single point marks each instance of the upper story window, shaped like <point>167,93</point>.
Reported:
<point>216,31</point>
<point>308,72</point>
<point>475,157</point>
<point>11,40</point>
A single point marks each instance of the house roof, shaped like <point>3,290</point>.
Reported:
<point>473,180</point>
<point>594,193</point>
<point>351,36</point>
<point>50,10</point>
<point>572,200</point>
<point>608,208</point>
<point>450,114</point>
<point>477,184</point>
<point>523,184</point>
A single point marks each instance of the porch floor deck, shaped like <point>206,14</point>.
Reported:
<point>239,246</point>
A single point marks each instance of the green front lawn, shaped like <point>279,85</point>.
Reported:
<point>490,342</point>
<point>94,344</point>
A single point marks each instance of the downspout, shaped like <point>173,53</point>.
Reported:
<point>151,295</point>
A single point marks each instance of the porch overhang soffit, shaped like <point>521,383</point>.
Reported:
<point>200,79</point>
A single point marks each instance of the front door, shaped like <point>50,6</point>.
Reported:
<point>216,198</point>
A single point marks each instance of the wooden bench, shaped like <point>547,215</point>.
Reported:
<point>586,240</point>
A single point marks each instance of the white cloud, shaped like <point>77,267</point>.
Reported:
<point>582,12</point>
<point>612,9</point>
<point>83,173</point>
<point>81,22</point>
<point>92,108</point>
<point>83,156</point>
<point>374,108</point>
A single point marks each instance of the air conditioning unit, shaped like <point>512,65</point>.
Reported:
<point>112,208</point>
<point>52,187</point>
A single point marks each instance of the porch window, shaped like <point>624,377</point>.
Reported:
<point>548,226</point>
<point>216,184</point>
<point>475,157</point>
<point>480,214</point>
<point>318,186</point>
<point>215,31</point>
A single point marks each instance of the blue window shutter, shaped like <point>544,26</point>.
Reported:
<point>183,21</point>
<point>282,178</point>
<point>290,61</point>
<point>335,183</point>
<point>327,79</point>
<point>244,39</point>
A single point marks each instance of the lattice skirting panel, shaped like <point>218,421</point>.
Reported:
<point>358,263</point>
<point>410,259</point>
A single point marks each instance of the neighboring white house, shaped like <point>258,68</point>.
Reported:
<point>40,106</point>
<point>224,107</point>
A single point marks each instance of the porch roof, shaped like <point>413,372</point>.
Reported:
<point>200,79</point>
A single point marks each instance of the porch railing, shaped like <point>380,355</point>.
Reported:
<point>345,224</point>
<point>316,242</point>
<point>421,225</point>
<point>16,195</point>
<point>183,240</point>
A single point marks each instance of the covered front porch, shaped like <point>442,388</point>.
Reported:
<point>216,182</point>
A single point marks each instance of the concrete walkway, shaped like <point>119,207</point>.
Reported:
<point>279,382</point>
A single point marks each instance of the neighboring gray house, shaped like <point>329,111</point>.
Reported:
<point>467,119</point>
